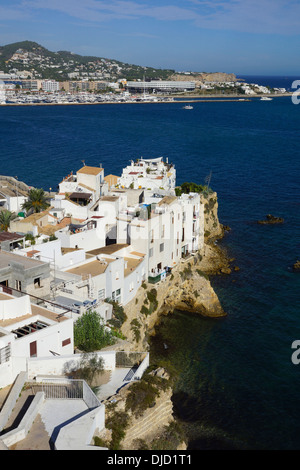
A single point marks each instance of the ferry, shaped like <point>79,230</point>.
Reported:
<point>265,98</point>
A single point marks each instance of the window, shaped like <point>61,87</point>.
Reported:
<point>116,295</point>
<point>161,247</point>
<point>37,282</point>
<point>18,285</point>
<point>33,349</point>
<point>150,252</point>
<point>101,294</point>
<point>65,342</point>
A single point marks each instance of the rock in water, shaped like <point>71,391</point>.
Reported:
<point>296,266</point>
<point>271,219</point>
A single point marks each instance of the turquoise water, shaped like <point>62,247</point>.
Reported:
<point>237,387</point>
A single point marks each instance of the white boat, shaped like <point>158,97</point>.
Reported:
<point>265,98</point>
<point>187,107</point>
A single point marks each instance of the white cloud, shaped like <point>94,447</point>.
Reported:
<point>253,16</point>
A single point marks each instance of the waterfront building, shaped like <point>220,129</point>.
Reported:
<point>152,174</point>
<point>166,231</point>
<point>50,86</point>
<point>166,86</point>
<point>13,193</point>
<point>32,85</point>
<point>112,272</point>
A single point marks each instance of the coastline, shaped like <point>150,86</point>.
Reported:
<point>190,99</point>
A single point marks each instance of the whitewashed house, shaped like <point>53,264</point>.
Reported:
<point>27,331</point>
<point>88,234</point>
<point>166,231</point>
<point>152,174</point>
<point>114,272</point>
<point>53,253</point>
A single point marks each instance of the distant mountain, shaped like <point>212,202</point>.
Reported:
<point>41,63</point>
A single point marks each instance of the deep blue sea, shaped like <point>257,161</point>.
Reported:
<point>237,387</point>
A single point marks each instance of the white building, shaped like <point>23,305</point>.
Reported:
<point>167,231</point>
<point>152,174</point>
<point>113,272</point>
<point>27,331</point>
<point>50,86</point>
<point>160,85</point>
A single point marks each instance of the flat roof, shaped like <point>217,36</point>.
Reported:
<point>36,310</point>
<point>167,200</point>
<point>90,170</point>
<point>109,198</point>
<point>131,264</point>
<point>80,195</point>
<point>108,250</point>
<point>93,268</point>
<point>7,257</point>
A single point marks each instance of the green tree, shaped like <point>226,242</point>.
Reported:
<point>36,201</point>
<point>90,333</point>
<point>5,219</point>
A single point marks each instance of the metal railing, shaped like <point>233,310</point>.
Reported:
<point>69,389</point>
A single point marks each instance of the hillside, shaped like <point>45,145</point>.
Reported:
<point>35,61</point>
<point>39,62</point>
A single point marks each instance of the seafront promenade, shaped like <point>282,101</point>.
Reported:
<point>192,99</point>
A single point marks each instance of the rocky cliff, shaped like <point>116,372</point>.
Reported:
<point>206,77</point>
<point>187,289</point>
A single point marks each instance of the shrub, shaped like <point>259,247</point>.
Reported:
<point>171,437</point>
<point>142,394</point>
<point>90,333</point>
<point>117,422</point>
<point>153,303</point>
<point>119,315</point>
<point>135,327</point>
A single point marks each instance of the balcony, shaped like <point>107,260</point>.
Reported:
<point>157,276</point>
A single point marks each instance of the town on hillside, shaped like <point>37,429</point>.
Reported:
<point>30,74</point>
<point>89,246</point>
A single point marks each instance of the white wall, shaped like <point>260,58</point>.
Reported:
<point>87,239</point>
<point>57,365</point>
<point>15,307</point>
<point>133,281</point>
<point>48,339</point>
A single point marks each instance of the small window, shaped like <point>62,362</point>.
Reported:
<point>161,247</point>
<point>33,349</point>
<point>101,294</point>
<point>66,342</point>
<point>18,285</point>
<point>37,282</point>
<point>150,252</point>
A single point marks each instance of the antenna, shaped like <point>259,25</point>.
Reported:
<point>207,180</point>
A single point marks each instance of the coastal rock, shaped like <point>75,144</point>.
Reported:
<point>212,227</point>
<point>296,266</point>
<point>271,219</point>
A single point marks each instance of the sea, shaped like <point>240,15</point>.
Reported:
<point>237,385</point>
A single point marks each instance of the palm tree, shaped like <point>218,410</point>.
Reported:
<point>36,201</point>
<point>5,218</point>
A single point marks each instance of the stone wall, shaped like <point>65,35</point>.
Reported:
<point>151,423</point>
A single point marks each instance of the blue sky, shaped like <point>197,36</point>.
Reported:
<point>257,37</point>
